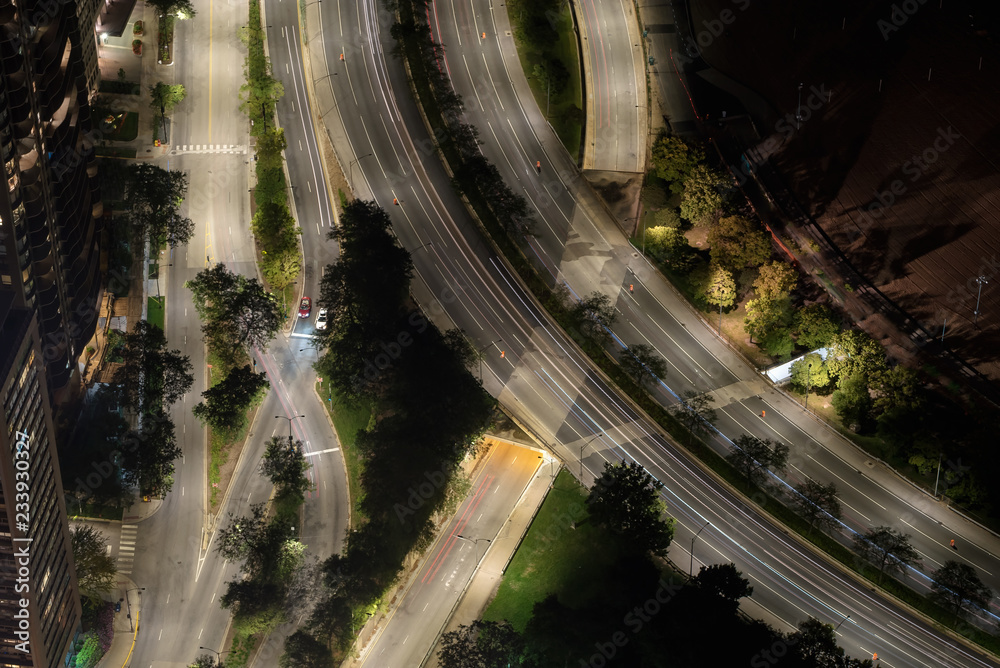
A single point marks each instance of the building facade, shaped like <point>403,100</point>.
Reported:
<point>50,209</point>
<point>39,600</point>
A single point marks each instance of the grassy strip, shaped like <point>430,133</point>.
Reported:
<point>155,307</point>
<point>348,420</point>
<point>411,49</point>
<point>551,560</point>
<point>563,109</point>
<point>114,152</point>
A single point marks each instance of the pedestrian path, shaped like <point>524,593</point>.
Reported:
<point>126,549</point>
<point>209,148</point>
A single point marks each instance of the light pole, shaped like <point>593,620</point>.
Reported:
<point>841,622</point>
<point>356,161</point>
<point>218,654</point>
<point>289,424</point>
<point>158,265</point>
<point>480,355</point>
<point>720,318</point>
<point>809,377</point>
<point>584,447</point>
<point>128,606</point>
<point>474,541</point>
<point>798,109</point>
<point>981,280</point>
<point>691,569</point>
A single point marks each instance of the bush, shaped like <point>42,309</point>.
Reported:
<point>667,218</point>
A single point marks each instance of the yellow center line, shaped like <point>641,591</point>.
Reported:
<point>211,11</point>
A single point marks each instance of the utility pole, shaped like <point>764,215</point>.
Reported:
<point>981,280</point>
<point>693,539</point>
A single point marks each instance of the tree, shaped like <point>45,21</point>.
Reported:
<point>775,280</point>
<point>667,218</point>
<point>148,454</point>
<point>483,644</point>
<point>817,503</point>
<point>736,243</point>
<point>854,351</point>
<point>552,75</point>
<point>717,286</point>
<point>626,500</point>
<point>724,581</point>
<point>595,315</point>
<point>669,246</point>
<point>814,645</point>
<point>182,9</point>
<point>206,661</point>
<point>151,377</point>
<point>897,388</point>
<point>256,604</point>
<point>642,363</point>
<point>853,402</point>
<point>957,586</point>
<point>95,569</point>
<point>702,196</point>
<point>152,202</point>
<point>673,160</point>
<point>286,466</point>
<point>809,373</point>
<point>696,413</point>
<point>765,315</point>
<point>271,143</point>
<point>754,457</point>
<point>889,550</point>
<point>304,650</point>
<point>237,311</point>
<point>814,326</point>
<point>164,97</point>
<point>227,402</point>
<point>777,342</point>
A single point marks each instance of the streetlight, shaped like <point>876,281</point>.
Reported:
<point>158,265</point>
<point>128,606</point>
<point>981,280</point>
<point>480,354</point>
<point>429,243</point>
<point>474,541</point>
<point>691,569</point>
<point>841,622</point>
<point>218,654</point>
<point>356,161</point>
<point>289,424</point>
<point>584,447</point>
<point>798,109</point>
<point>809,377</point>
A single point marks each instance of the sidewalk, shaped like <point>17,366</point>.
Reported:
<point>126,627</point>
<point>483,585</point>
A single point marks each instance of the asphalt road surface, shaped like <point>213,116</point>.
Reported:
<point>541,376</point>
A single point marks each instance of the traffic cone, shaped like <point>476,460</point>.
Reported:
<point>395,201</point>
<point>341,57</point>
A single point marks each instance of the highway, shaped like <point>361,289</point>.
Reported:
<point>542,377</point>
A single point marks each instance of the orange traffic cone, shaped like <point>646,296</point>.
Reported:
<point>395,201</point>
<point>484,35</point>
<point>762,413</point>
<point>341,56</point>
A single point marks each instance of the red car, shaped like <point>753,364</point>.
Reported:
<point>305,307</point>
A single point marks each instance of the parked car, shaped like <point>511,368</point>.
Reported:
<point>321,319</point>
<point>305,307</point>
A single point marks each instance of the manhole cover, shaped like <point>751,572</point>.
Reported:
<point>870,464</point>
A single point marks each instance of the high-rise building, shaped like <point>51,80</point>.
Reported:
<point>50,210</point>
<point>39,601</point>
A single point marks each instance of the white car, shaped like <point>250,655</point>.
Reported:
<point>321,319</point>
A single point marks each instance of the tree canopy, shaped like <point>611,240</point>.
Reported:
<point>753,457</point>
<point>809,372</point>
<point>673,160</point>
<point>594,316</point>
<point>226,403</point>
<point>716,285</point>
<point>642,363</point>
<point>95,569</point>
<point>152,203</point>
<point>702,196</point>
<point>152,377</point>
<point>814,326</point>
<point>483,644</point>
<point>182,9</point>
<point>304,650</point>
<point>958,587</point>
<point>695,412</point>
<point>889,550</point>
<point>855,351</point>
<point>775,280</point>
<point>737,243</point>
<point>625,499</point>
<point>147,458</point>
<point>286,466</point>
<point>817,503</point>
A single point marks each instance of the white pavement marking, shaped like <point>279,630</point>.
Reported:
<point>320,452</point>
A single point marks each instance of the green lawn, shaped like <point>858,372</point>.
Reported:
<point>567,123</point>
<point>554,557</point>
<point>155,307</point>
<point>112,152</point>
<point>124,126</point>
<point>348,420</point>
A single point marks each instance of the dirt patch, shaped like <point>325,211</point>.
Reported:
<point>894,151</point>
